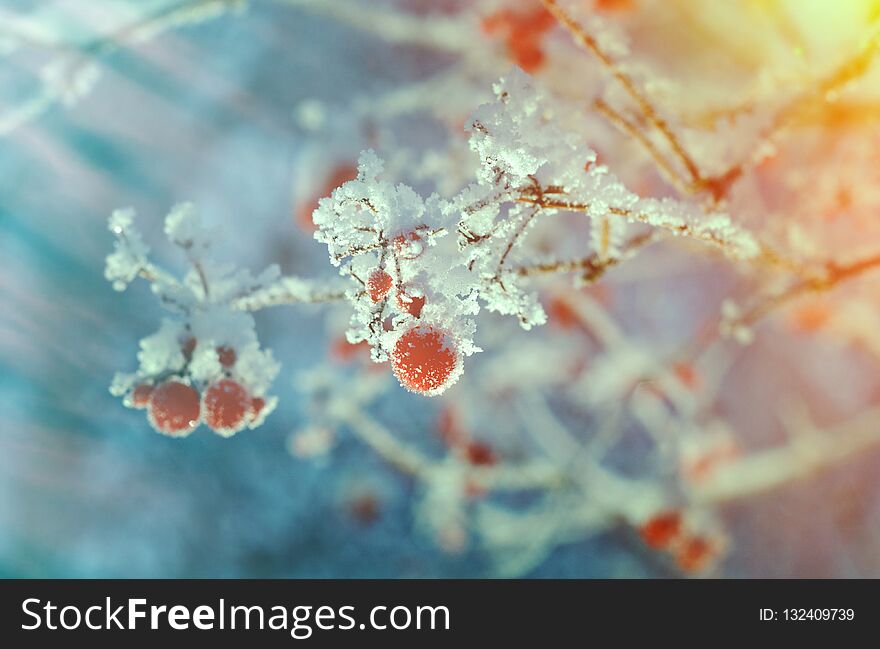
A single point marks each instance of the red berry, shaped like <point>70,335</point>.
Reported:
<point>687,374</point>
<point>480,454</point>
<point>424,360</point>
<point>364,508</point>
<point>187,347</point>
<point>522,33</point>
<point>412,304</point>
<point>449,427</point>
<point>345,352</point>
<point>408,246</point>
<point>227,356</point>
<point>257,405</point>
<point>378,284</point>
<point>226,403</point>
<point>661,530</point>
<point>561,313</point>
<point>174,408</point>
<point>695,554</point>
<point>140,395</point>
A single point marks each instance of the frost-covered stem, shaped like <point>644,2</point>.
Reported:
<point>80,55</point>
<point>587,41</point>
<point>394,27</point>
<point>534,475</point>
<point>825,91</point>
<point>831,275</point>
<point>629,128</point>
<point>559,203</point>
<point>805,455</point>
<point>591,267</point>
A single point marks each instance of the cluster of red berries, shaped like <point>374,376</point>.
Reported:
<point>176,408</point>
<point>692,552</point>
<point>425,357</point>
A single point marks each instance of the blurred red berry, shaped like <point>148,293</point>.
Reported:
<point>226,403</point>
<point>187,347</point>
<point>140,395</point>
<point>661,530</point>
<point>227,356</point>
<point>174,408</point>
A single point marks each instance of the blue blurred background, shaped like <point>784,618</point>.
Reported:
<point>87,489</point>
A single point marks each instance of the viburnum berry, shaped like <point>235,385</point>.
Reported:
<point>226,356</point>
<point>226,404</point>
<point>562,314</point>
<point>345,352</point>
<point>408,246</point>
<point>522,32</point>
<point>174,408</point>
<point>424,360</point>
<point>661,530</point>
<point>257,405</point>
<point>695,554</point>
<point>140,395</point>
<point>378,284</point>
<point>411,303</point>
<point>480,454</point>
<point>687,374</point>
<point>187,347</point>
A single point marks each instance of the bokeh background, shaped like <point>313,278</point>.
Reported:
<point>207,113</point>
<point>87,489</point>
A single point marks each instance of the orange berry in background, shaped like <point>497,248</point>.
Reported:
<point>661,530</point>
<point>694,554</point>
<point>687,374</point>
<point>226,404</point>
<point>340,174</point>
<point>227,356</point>
<point>140,395</point>
<point>424,359</point>
<point>344,351</point>
<point>811,317</point>
<point>480,454</point>
<point>174,408</point>
<point>522,32</point>
<point>614,5</point>
<point>378,284</point>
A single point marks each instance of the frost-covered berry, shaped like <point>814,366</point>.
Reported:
<point>140,395</point>
<point>378,284</point>
<point>226,404</point>
<point>257,405</point>
<point>408,246</point>
<point>425,360</point>
<point>226,356</point>
<point>174,408</point>
<point>411,303</point>
<point>661,530</point>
